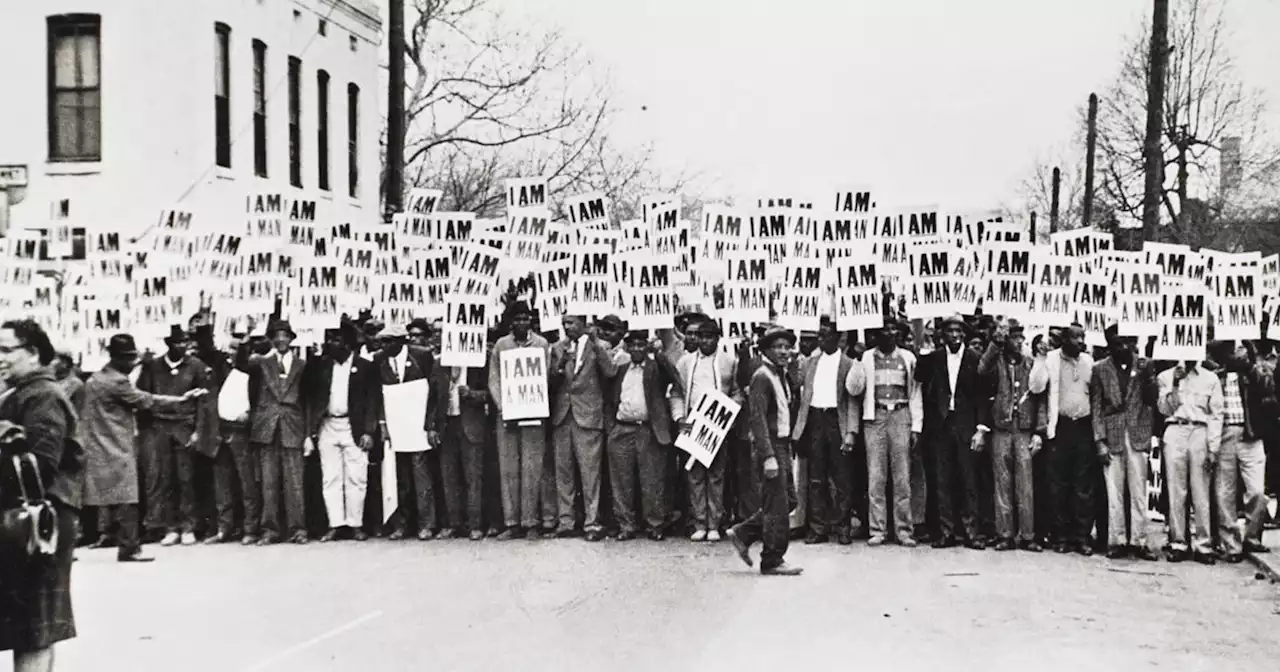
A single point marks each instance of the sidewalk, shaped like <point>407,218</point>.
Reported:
<point>1269,562</point>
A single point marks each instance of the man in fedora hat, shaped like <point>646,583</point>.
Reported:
<point>277,430</point>
<point>769,405</point>
<point>109,433</point>
<point>170,437</point>
<point>398,363</point>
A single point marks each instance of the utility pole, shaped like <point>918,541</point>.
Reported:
<point>393,198</point>
<point>1159,59</point>
<point>1090,149</point>
<point>1053,206</point>
<point>1033,227</point>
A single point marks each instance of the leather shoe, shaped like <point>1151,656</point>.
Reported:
<point>1117,553</point>
<point>1233,558</point>
<point>509,534</point>
<point>477,535</point>
<point>1205,559</point>
<point>329,536</point>
<point>1032,546</point>
<point>1062,548</point>
<point>781,570</point>
<point>595,535</point>
<point>447,533</point>
<point>564,534</point>
<point>816,539</point>
<point>976,545</point>
<point>1005,545</point>
<point>740,546</point>
<point>532,534</point>
<point>945,542</point>
<point>1144,553</point>
<point>360,535</point>
<point>656,535</point>
<point>299,538</point>
<point>626,535</point>
<point>218,538</point>
<point>103,542</point>
<point>1176,556</point>
<point>136,556</point>
<point>1251,546</point>
<point>268,540</point>
<point>248,540</point>
<point>426,535</point>
<point>1084,549</point>
<point>396,535</point>
<point>844,537</point>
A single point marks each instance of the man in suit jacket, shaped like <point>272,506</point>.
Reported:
<point>708,367</point>
<point>579,370</point>
<point>343,397</point>
<point>951,394</point>
<point>770,406</point>
<point>277,430</point>
<point>462,407</point>
<point>170,437</point>
<point>826,424</point>
<point>397,363</point>
<point>640,437</point>
<point>1122,396</point>
<point>526,475</point>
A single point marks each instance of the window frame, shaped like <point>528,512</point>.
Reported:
<point>322,129</point>
<point>71,26</point>
<point>294,93</point>
<point>222,103</point>
<point>261,164</point>
<point>353,139</point>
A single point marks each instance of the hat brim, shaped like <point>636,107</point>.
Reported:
<point>272,333</point>
<point>769,340</point>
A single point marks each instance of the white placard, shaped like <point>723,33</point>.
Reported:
<point>524,384</point>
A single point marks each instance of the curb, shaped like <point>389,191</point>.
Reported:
<point>1270,569</point>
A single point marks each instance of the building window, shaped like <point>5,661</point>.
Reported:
<point>323,27</point>
<point>259,108</point>
<point>353,139</point>
<point>75,87</point>
<point>222,94</point>
<point>322,129</point>
<point>351,42</point>
<point>295,121</point>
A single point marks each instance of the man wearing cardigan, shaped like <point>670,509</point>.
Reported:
<point>769,405</point>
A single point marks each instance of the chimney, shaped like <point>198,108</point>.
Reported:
<point>1230,167</point>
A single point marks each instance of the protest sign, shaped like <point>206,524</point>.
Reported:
<point>1007,280</point>
<point>1136,301</point>
<point>589,287</point>
<point>746,285</point>
<point>929,281</point>
<point>651,299</point>
<point>423,201</point>
<point>553,286</point>
<point>1236,302</point>
<point>524,384</point>
<point>527,192</point>
<point>1183,324</point>
<point>588,211</point>
<point>1178,263</point>
<point>464,331</point>
<point>801,300</point>
<point>859,301</point>
<point>526,238</point>
<point>1090,305</point>
<point>709,422</point>
<point>1051,287</point>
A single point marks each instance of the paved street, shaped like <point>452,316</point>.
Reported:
<point>569,605</point>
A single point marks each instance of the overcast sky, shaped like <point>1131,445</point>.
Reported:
<point>944,102</point>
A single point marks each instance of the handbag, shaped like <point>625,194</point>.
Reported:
<point>28,522</point>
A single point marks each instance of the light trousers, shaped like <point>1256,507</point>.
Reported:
<point>889,456</point>
<point>1128,468</point>
<point>1011,467</point>
<point>345,470</point>
<point>1187,466</point>
<point>1240,462</point>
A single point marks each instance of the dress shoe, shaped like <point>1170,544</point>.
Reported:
<point>596,535</point>
<point>813,539</point>
<point>1117,553</point>
<point>477,535</point>
<point>396,535</point>
<point>1063,548</point>
<point>1005,545</point>
<point>713,536</point>
<point>447,533</point>
<point>1205,558</point>
<point>248,540</point>
<point>1144,553</point>
<point>626,535</point>
<point>1084,549</point>
<point>218,538</point>
<point>740,546</point>
<point>360,535</point>
<point>1031,546</point>
<point>1251,546</point>
<point>844,537</point>
<point>426,535</point>
<point>510,533</point>
<point>188,538</point>
<point>1233,558</point>
<point>781,570</point>
<point>656,535</point>
<point>976,545</point>
<point>299,538</point>
<point>170,539</point>
<point>945,542</point>
<point>268,539</point>
<point>1176,556</point>
<point>533,534</point>
<point>103,542</point>
<point>564,534</point>
<point>493,532</point>
<point>329,536</point>
<point>136,556</point>
<point>908,542</point>
<point>698,535</point>
<point>876,540</point>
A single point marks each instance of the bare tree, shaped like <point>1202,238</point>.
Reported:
<point>1205,103</point>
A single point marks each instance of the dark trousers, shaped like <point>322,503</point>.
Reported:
<point>984,472</point>
<point>414,489</point>
<point>491,483</point>
<point>125,520</point>
<point>168,474</point>
<point>1072,477</point>
<point>637,463</point>
<point>282,468</point>
<point>1271,446</point>
<point>746,477</point>
<point>771,523</point>
<point>955,474</point>
<point>237,474</point>
<point>859,504</point>
<point>461,476</point>
<point>1042,490</point>
<point>830,490</point>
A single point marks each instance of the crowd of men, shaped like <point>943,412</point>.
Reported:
<point>971,437</point>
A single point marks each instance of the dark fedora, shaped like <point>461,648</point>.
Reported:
<point>612,323</point>
<point>275,326</point>
<point>519,308</point>
<point>637,335</point>
<point>709,327</point>
<point>176,335</point>
<point>122,345</point>
<point>775,334</point>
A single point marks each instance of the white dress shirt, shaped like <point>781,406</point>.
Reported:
<point>173,366</point>
<point>286,361</point>
<point>582,348</point>
<point>455,398</point>
<point>399,363</point>
<point>703,377</point>
<point>340,389</point>
<point>825,379</point>
<point>953,371</point>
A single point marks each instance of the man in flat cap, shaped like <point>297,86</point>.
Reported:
<point>399,364</point>
<point>278,427</point>
<point>770,407</point>
<point>170,437</point>
<point>108,430</point>
<point>527,477</point>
